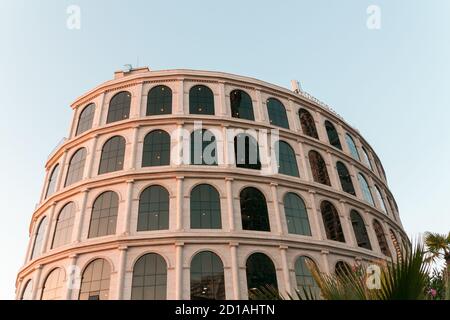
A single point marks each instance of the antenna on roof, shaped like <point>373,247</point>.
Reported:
<point>295,86</point>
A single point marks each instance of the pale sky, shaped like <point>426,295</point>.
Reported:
<point>393,84</point>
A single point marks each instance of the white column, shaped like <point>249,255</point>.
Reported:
<point>294,116</point>
<point>99,112</point>
<point>180,198</point>
<point>320,126</point>
<point>230,208</point>
<point>335,183</point>
<point>235,270</point>
<point>91,157</point>
<point>325,264</point>
<point>62,172</point>
<point>74,124</point>
<point>179,270</point>
<point>129,203</point>
<point>135,108</point>
<point>79,219</point>
<point>36,282</point>
<point>261,113</point>
<point>276,206</point>
<point>121,271</point>
<point>285,266</point>
<point>180,97</point>
<point>49,229</point>
<point>72,277</point>
<point>222,100</point>
<point>347,228</point>
<point>133,165</point>
<point>318,230</point>
<point>304,172</point>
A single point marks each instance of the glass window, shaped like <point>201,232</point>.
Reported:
<point>95,281</point>
<point>39,238</point>
<point>153,209</point>
<point>254,210</point>
<point>359,228</point>
<point>365,189</point>
<point>52,181</point>
<point>203,148</point>
<point>86,118</point>
<point>201,100</point>
<point>76,167</point>
<point>27,292</point>
<point>54,285</point>
<point>113,154</point>
<point>287,162</point>
<point>156,149</point>
<point>318,168</point>
<point>241,105</point>
<point>398,249</point>
<point>333,136</point>
<point>331,222</point>
<point>296,215</point>
<point>246,152</point>
<point>119,107</point>
<point>342,269</point>
<point>379,232</point>
<point>345,178</point>
<point>64,226</point>
<point>304,277</point>
<point>205,208</point>
<point>380,199</point>
<point>149,278</point>
<point>159,101</point>
<point>366,158</point>
<point>351,145</point>
<point>308,124</point>
<point>104,215</point>
<point>261,273</point>
<point>207,277</point>
<point>277,113</point>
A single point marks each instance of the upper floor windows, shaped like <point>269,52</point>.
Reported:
<point>53,288</point>
<point>51,187</point>
<point>296,215</point>
<point>104,215</point>
<point>113,154</point>
<point>39,238</point>
<point>153,212</point>
<point>201,100</point>
<point>149,278</point>
<point>254,212</point>
<point>119,107</point>
<point>246,152</point>
<point>308,124</point>
<point>95,281</point>
<point>365,189</point>
<point>156,149</point>
<point>27,292</point>
<point>203,148</point>
<point>207,277</point>
<point>304,277</point>
<point>261,273</point>
<point>331,222</point>
<point>382,242</point>
<point>287,162</point>
<point>205,208</point>
<point>359,228</point>
<point>352,147</point>
<point>241,105</point>
<point>366,159</point>
<point>64,226</point>
<point>318,168</point>
<point>76,167</point>
<point>333,136</point>
<point>159,101</point>
<point>277,113</point>
<point>380,199</point>
<point>86,119</point>
<point>345,178</point>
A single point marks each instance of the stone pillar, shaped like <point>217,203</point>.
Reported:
<point>133,165</point>
<point>180,198</point>
<point>285,266</point>
<point>49,230</point>
<point>73,277</point>
<point>261,113</point>
<point>79,219</point>
<point>276,206</point>
<point>180,98</point>
<point>235,270</point>
<point>62,172</point>
<point>222,99</point>
<point>320,127</point>
<point>318,230</point>
<point>347,225</point>
<point>230,208</point>
<point>354,176</point>
<point>135,108</point>
<point>37,283</point>
<point>121,271</point>
<point>303,162</point>
<point>98,116</point>
<point>179,270</point>
<point>294,120</point>
<point>325,264</point>
<point>91,157</point>
<point>335,183</point>
<point>129,203</point>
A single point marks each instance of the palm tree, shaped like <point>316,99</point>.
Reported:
<point>438,247</point>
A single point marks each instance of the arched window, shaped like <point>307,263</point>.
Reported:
<point>260,273</point>
<point>52,181</point>
<point>27,292</point>
<point>86,118</point>
<point>359,228</point>
<point>95,281</point>
<point>153,209</point>
<point>119,107</point>
<point>352,146</point>
<point>345,178</point>
<point>205,208</point>
<point>342,269</point>
<point>308,124</point>
<point>331,222</point>
<point>64,226</point>
<point>159,101</point>
<point>380,199</point>
<point>203,148</point>
<point>201,100</point>
<point>318,168</point>
<point>304,277</point>
<point>104,215</point>
<point>113,154</point>
<point>39,238</point>
<point>76,167</point>
<point>333,136</point>
<point>246,152</point>
<point>207,277</point>
<point>277,113</point>
<point>149,278</point>
<point>156,149</point>
<point>254,210</point>
<point>54,285</point>
<point>379,232</point>
<point>365,189</point>
<point>241,105</point>
<point>398,249</point>
<point>366,158</point>
<point>287,162</point>
<point>296,215</point>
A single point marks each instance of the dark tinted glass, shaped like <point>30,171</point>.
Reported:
<point>254,210</point>
<point>95,281</point>
<point>205,208</point>
<point>318,168</point>
<point>54,286</point>
<point>296,215</point>
<point>345,178</point>
<point>277,113</point>
<point>308,124</point>
<point>380,199</point>
<point>207,277</point>
<point>246,152</point>
<point>342,269</point>
<point>104,215</point>
<point>241,105</point>
<point>260,273</point>
<point>76,167</point>
<point>64,226</point>
<point>351,145</point>
<point>52,181</point>
<point>39,238</point>
<point>119,107</point>
<point>203,148</point>
<point>333,136</point>
<point>156,149</point>
<point>303,275</point>
<point>153,209</point>
<point>149,278</point>
<point>331,222</point>
<point>359,228</point>
<point>159,101</point>
<point>86,118</point>
<point>379,232</point>
<point>113,154</point>
<point>201,100</point>
<point>365,189</point>
<point>287,162</point>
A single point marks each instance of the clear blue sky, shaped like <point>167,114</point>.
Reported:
<point>393,84</point>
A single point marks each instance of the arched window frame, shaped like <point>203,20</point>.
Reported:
<point>153,212</point>
<point>345,178</point>
<point>286,159</point>
<point>380,200</point>
<point>254,213</point>
<point>86,119</point>
<point>304,278</point>
<point>149,278</point>
<point>352,147</point>
<point>261,273</point>
<point>159,101</point>
<point>308,123</point>
<point>27,291</point>
<point>39,238</point>
<point>113,155</point>
<point>365,189</point>
<point>104,217</point>
<point>381,237</point>
<point>318,168</point>
<point>366,158</point>
<point>64,226</point>
<point>96,286</point>
<point>119,107</point>
<point>333,135</point>
<point>277,113</point>
<point>51,185</point>
<point>296,215</point>
<point>53,288</point>
<point>77,163</point>
<point>201,100</point>
<point>207,277</point>
<point>359,230</point>
<point>331,222</point>
<point>241,105</point>
<point>205,207</point>
<point>156,149</point>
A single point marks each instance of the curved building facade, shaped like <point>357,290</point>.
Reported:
<point>134,208</point>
